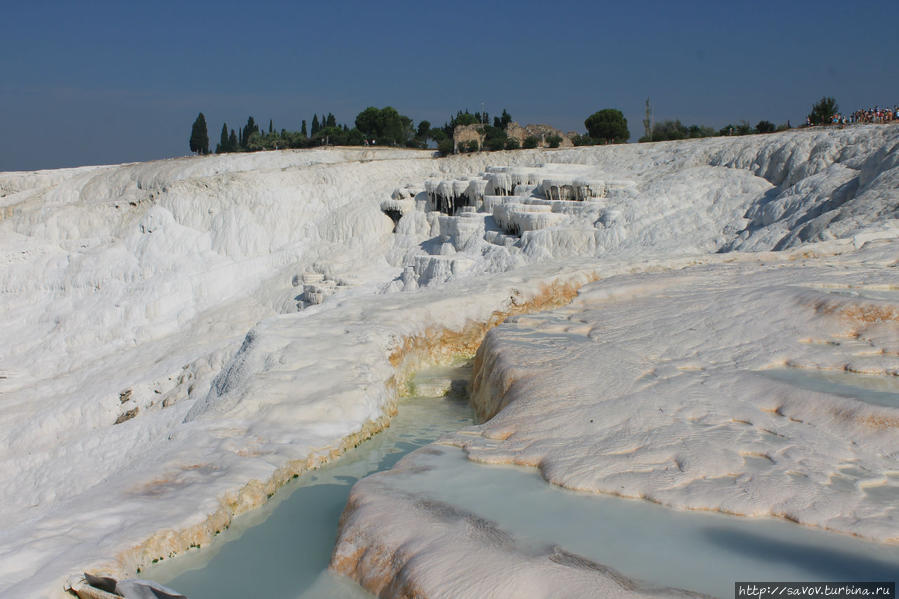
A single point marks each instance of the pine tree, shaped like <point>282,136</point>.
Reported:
<point>223,140</point>
<point>199,136</point>
<point>303,130</point>
<point>822,112</point>
<point>331,122</point>
<point>607,125</point>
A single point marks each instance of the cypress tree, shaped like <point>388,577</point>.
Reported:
<point>194,134</point>
<point>270,125</point>
<point>223,140</point>
<point>199,136</point>
<point>250,128</point>
<point>315,126</point>
<point>233,144</point>
<point>303,129</point>
<point>331,122</point>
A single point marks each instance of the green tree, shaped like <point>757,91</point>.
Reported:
<point>199,136</point>
<point>315,125</point>
<point>369,122</point>
<point>423,128</point>
<point>445,145</point>
<point>554,141</point>
<point>303,129</point>
<point>386,125</point>
<point>668,130</point>
<point>332,136</point>
<point>823,111</point>
<point>233,143</point>
<point>255,142</point>
<point>583,140</point>
<point>495,138</point>
<point>331,121</point>
<point>608,125</point>
<point>354,137</point>
<point>701,131</point>
<point>530,142</point>
<point>249,129</point>
<point>223,140</point>
<point>765,127</point>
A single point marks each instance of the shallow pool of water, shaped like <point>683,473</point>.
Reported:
<point>660,547</point>
<point>873,389</point>
<point>282,550</point>
<point>876,293</point>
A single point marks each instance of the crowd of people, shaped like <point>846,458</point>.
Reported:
<point>876,114</point>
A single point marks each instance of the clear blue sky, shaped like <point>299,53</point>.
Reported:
<point>105,82</point>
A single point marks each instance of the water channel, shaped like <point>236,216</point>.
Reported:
<point>282,550</point>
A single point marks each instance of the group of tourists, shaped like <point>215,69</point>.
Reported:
<point>876,114</point>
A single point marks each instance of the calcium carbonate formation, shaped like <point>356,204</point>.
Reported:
<point>185,335</point>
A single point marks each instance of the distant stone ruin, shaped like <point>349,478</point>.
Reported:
<point>464,134</point>
<point>541,132</point>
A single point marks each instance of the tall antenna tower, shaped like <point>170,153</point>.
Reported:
<point>647,121</point>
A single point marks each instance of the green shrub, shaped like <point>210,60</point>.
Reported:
<point>512,143</point>
<point>765,127</point>
<point>554,141</point>
<point>445,146</point>
<point>744,128</point>
<point>672,130</point>
<point>530,142</point>
<point>583,140</point>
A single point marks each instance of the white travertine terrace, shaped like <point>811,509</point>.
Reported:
<point>680,384</point>
<point>164,370</point>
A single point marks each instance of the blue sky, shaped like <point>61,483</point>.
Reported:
<point>105,82</point>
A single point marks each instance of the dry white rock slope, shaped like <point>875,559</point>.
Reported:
<point>155,362</point>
